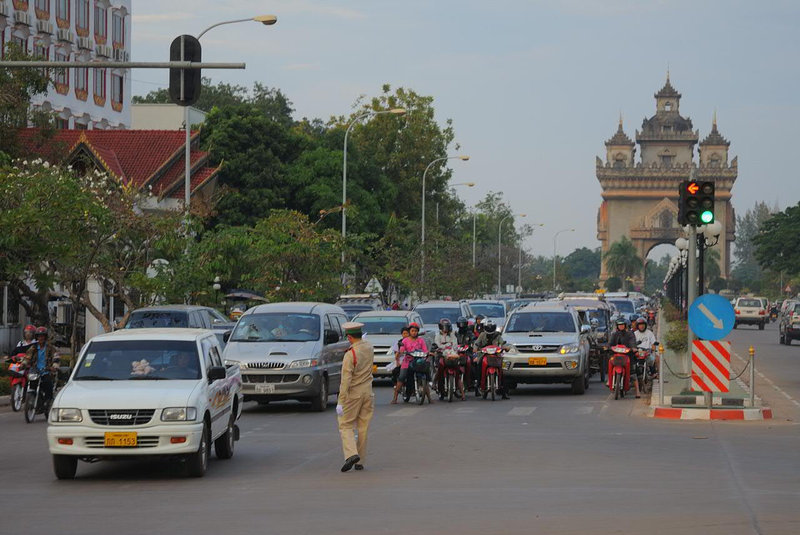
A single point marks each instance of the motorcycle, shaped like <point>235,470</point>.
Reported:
<point>419,387</point>
<point>773,314</point>
<point>19,380</point>
<point>493,358</point>
<point>643,372</point>
<point>453,362</point>
<point>619,366</point>
<point>38,400</point>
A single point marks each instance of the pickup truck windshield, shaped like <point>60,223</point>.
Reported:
<point>277,327</point>
<point>125,360</point>
<point>157,318</point>
<point>383,324</point>
<point>432,315</point>
<point>541,322</point>
<point>489,310</point>
<point>624,306</point>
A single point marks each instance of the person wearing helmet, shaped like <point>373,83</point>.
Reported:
<point>489,337</point>
<point>479,325</point>
<point>444,338</point>
<point>27,339</point>
<point>42,357</point>
<point>466,337</point>
<point>398,355</point>
<point>413,343</point>
<point>645,339</point>
<point>624,337</point>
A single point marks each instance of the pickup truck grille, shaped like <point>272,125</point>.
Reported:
<point>526,366</point>
<point>141,442</point>
<point>537,348</point>
<point>121,416</point>
<point>265,365</point>
<point>252,378</point>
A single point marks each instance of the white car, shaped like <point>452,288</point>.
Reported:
<point>146,392</point>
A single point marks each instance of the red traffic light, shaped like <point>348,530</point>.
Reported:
<point>693,188</point>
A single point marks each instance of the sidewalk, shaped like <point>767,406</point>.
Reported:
<point>681,402</point>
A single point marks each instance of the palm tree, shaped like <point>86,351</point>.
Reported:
<point>622,260</point>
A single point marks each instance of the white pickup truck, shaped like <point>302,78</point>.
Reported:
<point>147,392</point>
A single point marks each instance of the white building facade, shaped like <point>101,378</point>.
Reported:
<point>77,30</point>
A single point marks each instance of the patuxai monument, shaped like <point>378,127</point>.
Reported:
<point>640,194</point>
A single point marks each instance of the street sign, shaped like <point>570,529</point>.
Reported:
<point>711,317</point>
<point>711,366</point>
<point>373,286</point>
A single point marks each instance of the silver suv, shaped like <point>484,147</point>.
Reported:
<point>551,346</point>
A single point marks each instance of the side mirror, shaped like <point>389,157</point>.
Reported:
<point>226,336</point>
<point>595,323</point>
<point>585,329</point>
<point>331,336</point>
<point>216,372</point>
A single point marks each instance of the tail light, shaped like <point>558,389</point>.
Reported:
<point>737,311</point>
<point>762,312</point>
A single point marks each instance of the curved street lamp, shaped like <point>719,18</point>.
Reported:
<point>554,253</point>
<point>499,243</point>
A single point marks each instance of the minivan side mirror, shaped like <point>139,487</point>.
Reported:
<point>331,336</point>
<point>585,329</point>
<point>595,323</point>
<point>216,372</point>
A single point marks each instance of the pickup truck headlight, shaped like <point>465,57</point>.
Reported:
<point>179,414</point>
<point>569,348</point>
<point>229,362</point>
<point>305,363</point>
<point>66,415</point>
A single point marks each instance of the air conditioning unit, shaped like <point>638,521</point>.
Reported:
<point>120,54</point>
<point>64,35</point>
<point>44,26</point>
<point>84,43</point>
<point>104,51</point>
<point>22,17</point>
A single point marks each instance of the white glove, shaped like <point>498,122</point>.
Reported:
<point>339,410</point>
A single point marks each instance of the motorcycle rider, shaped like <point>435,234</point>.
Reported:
<point>645,339</point>
<point>43,358</point>
<point>466,337</point>
<point>445,337</point>
<point>27,339</point>
<point>490,337</point>
<point>398,354</point>
<point>622,336</point>
<point>408,345</point>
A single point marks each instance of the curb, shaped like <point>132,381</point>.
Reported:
<point>671,413</point>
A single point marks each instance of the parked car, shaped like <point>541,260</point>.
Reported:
<point>433,311</point>
<point>353,304</point>
<point>116,405</point>
<point>382,330</point>
<point>550,346</point>
<point>625,307</point>
<point>289,351</point>
<point>789,327</point>
<point>493,310</point>
<point>750,311</point>
<point>181,316</point>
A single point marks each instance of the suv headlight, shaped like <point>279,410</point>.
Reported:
<point>179,414</point>
<point>569,348</point>
<point>66,415</point>
<point>305,363</point>
<point>242,365</point>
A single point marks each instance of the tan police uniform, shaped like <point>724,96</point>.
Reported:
<point>355,395</point>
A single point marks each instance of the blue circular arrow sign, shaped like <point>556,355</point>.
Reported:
<point>711,317</point>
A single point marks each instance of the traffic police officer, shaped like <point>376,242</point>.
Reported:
<point>356,400</point>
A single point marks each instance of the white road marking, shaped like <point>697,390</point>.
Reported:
<point>769,381</point>
<point>584,410</point>
<point>410,411</point>
<point>464,410</point>
<point>521,411</point>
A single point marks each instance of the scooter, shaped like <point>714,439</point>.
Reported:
<point>493,358</point>
<point>19,380</point>
<point>452,373</point>
<point>643,373</point>
<point>38,400</point>
<point>619,370</point>
<point>419,388</point>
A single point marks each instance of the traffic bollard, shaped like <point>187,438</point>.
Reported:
<point>752,376</point>
<point>661,374</point>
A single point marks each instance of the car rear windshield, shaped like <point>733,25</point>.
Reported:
<point>382,324</point>
<point>157,318</point>
<point>432,315</point>
<point>624,306</point>
<point>276,326</point>
<point>541,322</point>
<point>749,303</point>
<point>598,315</point>
<point>351,310</point>
<point>489,310</point>
<point>127,360</point>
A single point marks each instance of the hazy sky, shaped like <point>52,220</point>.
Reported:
<point>534,87</point>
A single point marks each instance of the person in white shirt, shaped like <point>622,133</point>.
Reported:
<point>645,339</point>
<point>446,337</point>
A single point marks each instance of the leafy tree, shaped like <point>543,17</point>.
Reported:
<point>746,267</point>
<point>655,273</point>
<point>613,284</point>
<point>776,245</point>
<point>622,260</point>
<point>583,268</point>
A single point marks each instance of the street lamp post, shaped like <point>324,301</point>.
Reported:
<point>499,250</point>
<point>474,213</point>
<point>554,252</point>
<point>266,20</point>
<point>422,242</point>
<point>217,287</point>
<point>370,113</point>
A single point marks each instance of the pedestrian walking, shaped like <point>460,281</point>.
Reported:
<point>356,400</point>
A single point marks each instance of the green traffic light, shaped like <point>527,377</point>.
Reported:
<point>707,216</point>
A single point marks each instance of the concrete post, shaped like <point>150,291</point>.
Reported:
<point>752,376</point>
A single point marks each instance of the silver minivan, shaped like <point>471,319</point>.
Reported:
<point>289,351</point>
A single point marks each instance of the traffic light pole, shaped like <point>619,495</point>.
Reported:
<point>701,261</point>
<point>691,289</point>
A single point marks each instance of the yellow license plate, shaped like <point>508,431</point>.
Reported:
<point>120,440</point>
<point>374,368</point>
<point>537,361</point>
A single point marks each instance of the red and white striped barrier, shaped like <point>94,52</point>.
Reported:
<point>711,366</point>
<point>671,413</point>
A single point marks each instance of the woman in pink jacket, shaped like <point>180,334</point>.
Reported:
<point>412,343</point>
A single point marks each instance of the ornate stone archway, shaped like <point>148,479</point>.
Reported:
<point>640,198</point>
